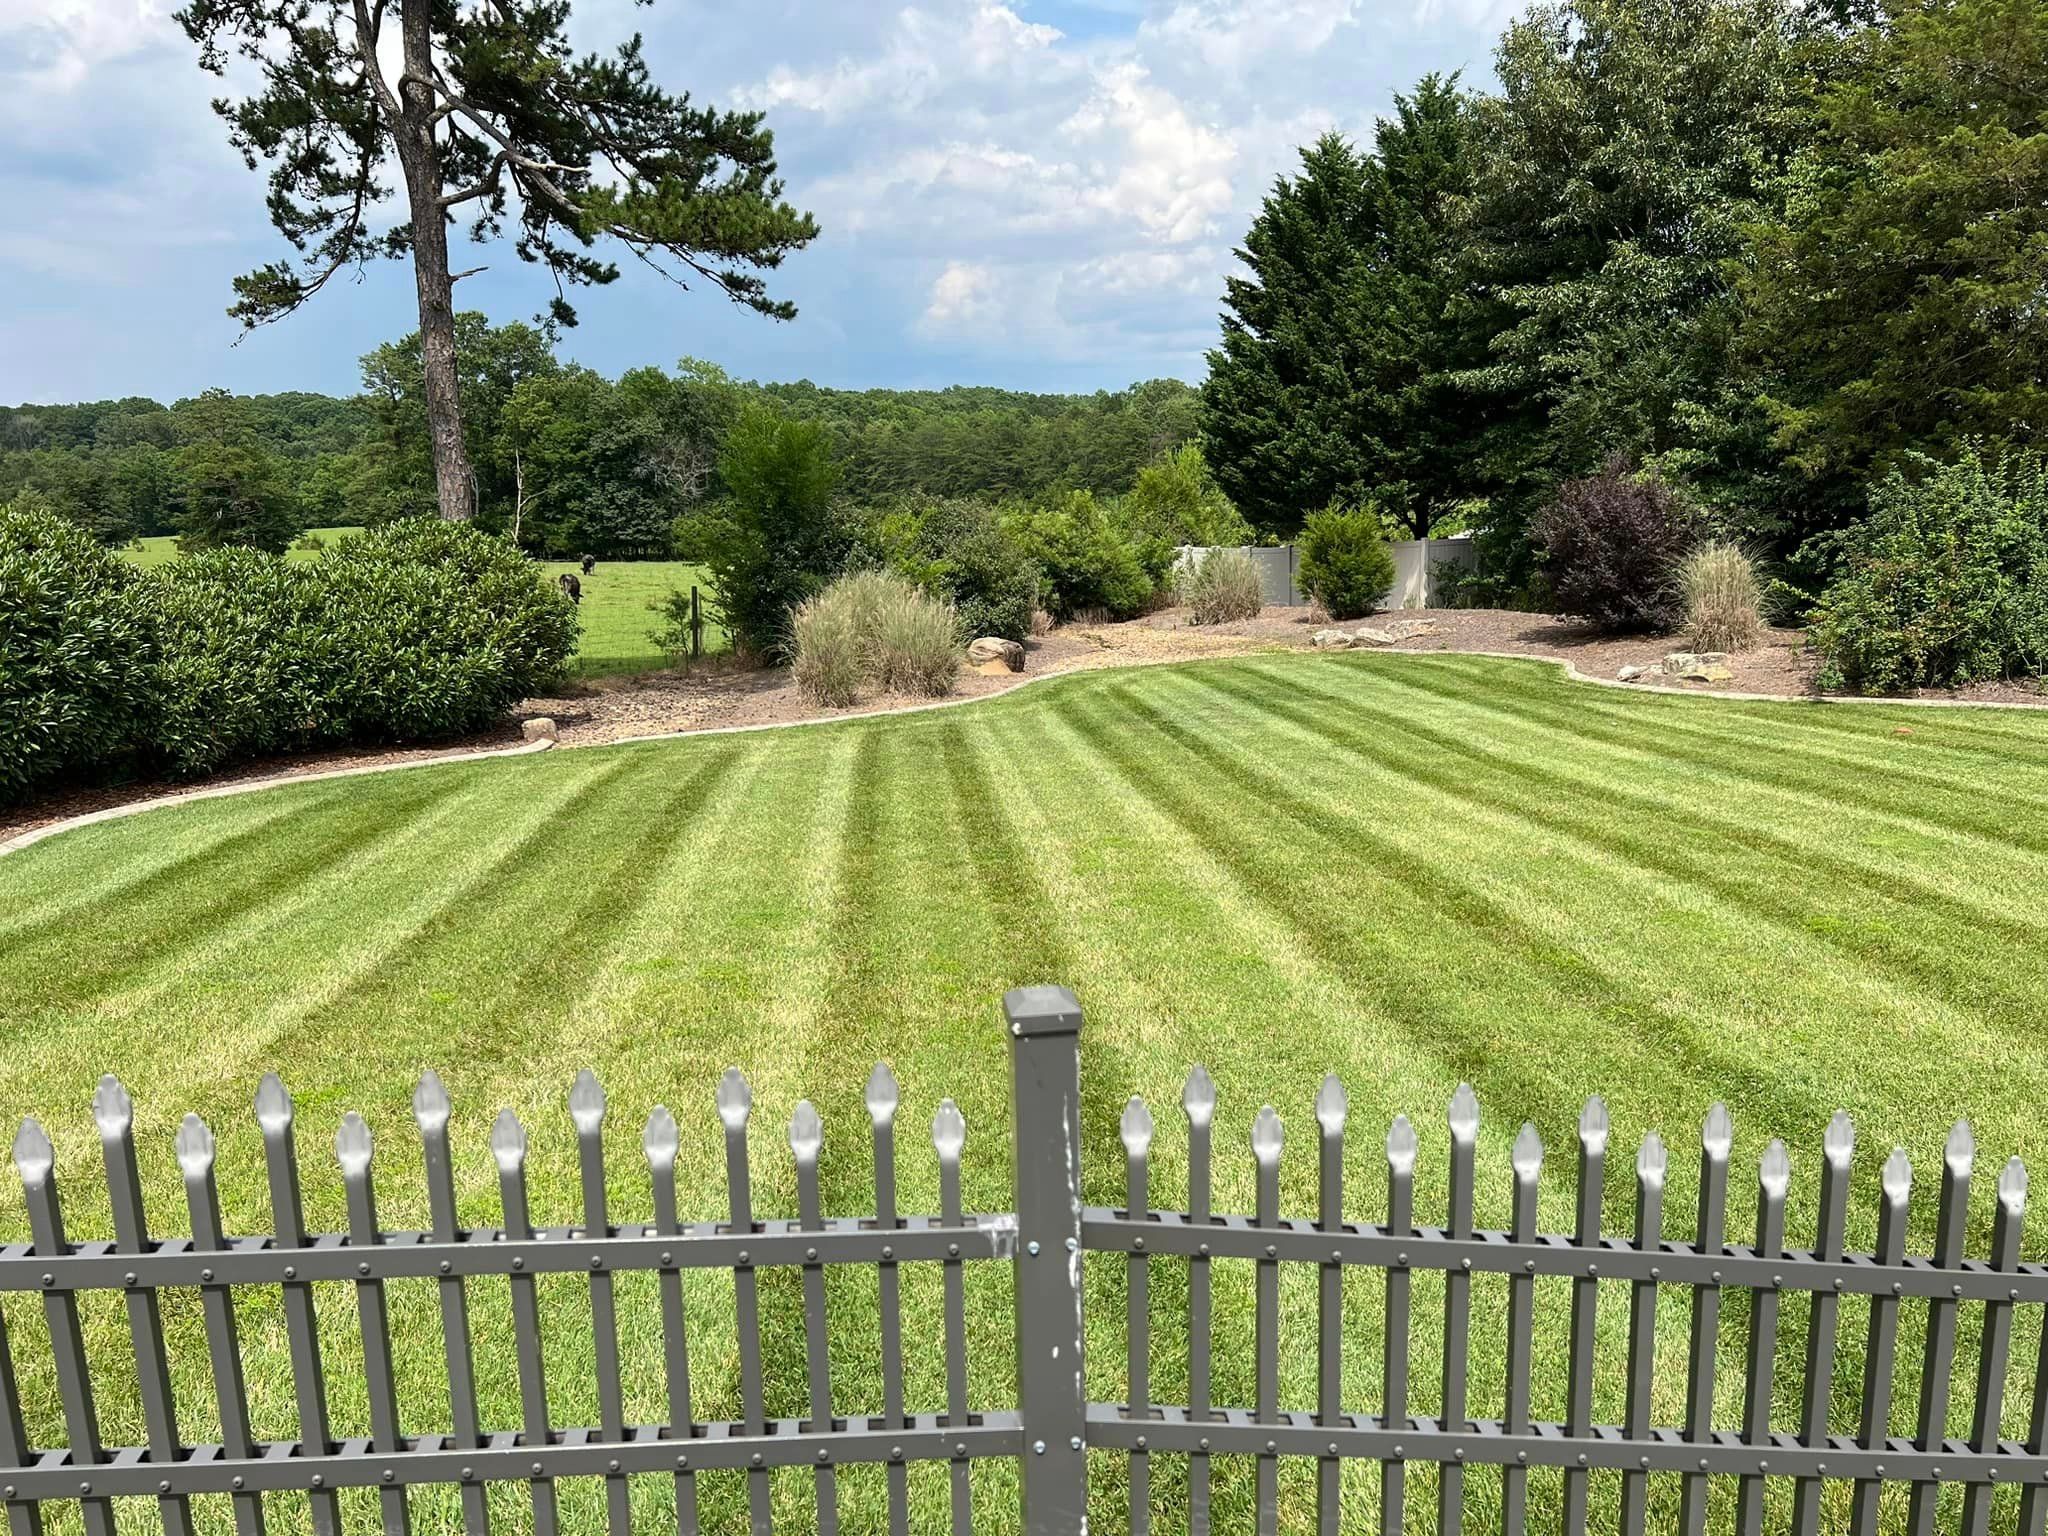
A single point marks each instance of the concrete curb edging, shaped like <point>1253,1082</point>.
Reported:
<point>250,786</point>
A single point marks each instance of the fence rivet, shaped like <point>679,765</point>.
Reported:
<point>2013,1294</point>
<point>446,1266</point>
<point>1074,1243</point>
<point>468,1473</point>
<point>319,1481</point>
<point>1763,1466</point>
<point>1820,1467</point>
<point>1141,1442</point>
<point>1464,1263</point>
<point>895,1453</point>
<point>235,1481</point>
<point>1032,1249</point>
<point>1202,1249</point>
<point>1592,1270</point>
<point>1838,1282</point>
<point>1205,1443</point>
<point>519,1263</point>
<point>8,1491</point>
<point>682,1463</point>
<point>1582,1458</point>
<point>1075,1443</point>
<point>1522,1457</point>
<point>536,1469</point>
<point>1777,1280</point>
<point>755,1459</point>
<point>823,1455</point>
<point>85,1487</point>
<point>953,1250</point>
<point>1336,1255</point>
<point>1642,1461</point>
<point>1937,1474</point>
<point>1656,1270</point>
<point>810,1253</point>
<point>666,1257</point>
<point>291,1271</point>
<point>597,1261</point>
<point>207,1274</point>
<point>1401,1257</point>
<point>1703,1466</point>
<point>1272,1446</point>
<point>1333,1447</point>
<point>1717,1277</point>
<point>163,1486</point>
<point>1897,1287</point>
<point>363,1268</point>
<point>612,1465</point>
<point>1529,1265</point>
<point>1271,1250</point>
<point>1038,1447</point>
<point>743,1256</point>
<point>888,1250</point>
<point>1957,1289</point>
<point>49,1279</point>
<point>1399,1450</point>
<point>388,1475</point>
<point>129,1278</point>
<point>1458,1454</point>
<point>959,1448</point>
<point>1137,1245</point>
<point>1992,1473</point>
<point>1016,1029</point>
<point>1880,1469</point>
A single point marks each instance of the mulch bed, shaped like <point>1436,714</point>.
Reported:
<point>723,693</point>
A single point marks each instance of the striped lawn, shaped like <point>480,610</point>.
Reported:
<point>1406,870</point>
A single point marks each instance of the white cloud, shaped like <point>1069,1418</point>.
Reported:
<point>963,300</point>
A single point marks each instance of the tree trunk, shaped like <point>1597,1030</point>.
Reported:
<point>421,158</point>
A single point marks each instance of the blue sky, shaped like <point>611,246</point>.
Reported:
<point>1041,194</point>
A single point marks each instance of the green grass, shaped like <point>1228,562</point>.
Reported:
<point>618,629</point>
<point>1406,870</point>
<point>163,548</point>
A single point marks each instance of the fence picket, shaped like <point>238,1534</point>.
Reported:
<point>217,1302</point>
<point>1717,1137</point>
<point>353,1150</point>
<point>508,1149</point>
<point>1394,1357</point>
<point>1267,1138</point>
<point>1897,1184</point>
<point>1463,1118</point>
<point>659,1141</point>
<point>1136,1129</point>
<point>586,1113</point>
<point>1585,1304</point>
<point>1938,1365</point>
<point>735,1104</point>
<point>114,1113</point>
<point>36,1161</point>
<point>430,1111</point>
<point>881,1098</point>
<point>1652,1163</point>
<point>1994,1356</point>
<point>1332,1106</point>
<point>1514,1478</point>
<point>1774,1178</point>
<point>1198,1103</point>
<point>24,1516</point>
<point>949,1136</point>
<point>806,1137</point>
<point>1838,1148</point>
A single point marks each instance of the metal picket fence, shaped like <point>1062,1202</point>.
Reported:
<point>1052,1424</point>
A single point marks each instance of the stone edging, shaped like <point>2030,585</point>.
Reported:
<point>249,786</point>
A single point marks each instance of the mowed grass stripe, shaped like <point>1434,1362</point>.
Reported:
<point>1405,869</point>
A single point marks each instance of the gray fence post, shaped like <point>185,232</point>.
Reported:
<point>1045,1077</point>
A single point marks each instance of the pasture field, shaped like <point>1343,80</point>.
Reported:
<point>162,548</point>
<point>1408,870</point>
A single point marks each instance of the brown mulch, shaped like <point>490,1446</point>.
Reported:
<point>725,694</point>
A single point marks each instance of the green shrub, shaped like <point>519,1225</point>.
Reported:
<point>432,629</point>
<point>235,676</point>
<point>955,549</point>
<point>1723,598</point>
<point>1611,545</point>
<point>1345,563</point>
<point>1176,500</point>
<point>1089,564</point>
<point>873,627</point>
<point>1223,587</point>
<point>1947,583</point>
<point>77,639</point>
<point>777,537</point>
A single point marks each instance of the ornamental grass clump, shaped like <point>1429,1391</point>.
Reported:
<point>1723,598</point>
<point>874,629</point>
<point>1223,587</point>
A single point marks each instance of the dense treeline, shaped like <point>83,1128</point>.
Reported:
<point>564,460</point>
<point>1770,250</point>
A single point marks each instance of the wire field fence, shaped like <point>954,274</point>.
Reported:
<point>1818,1443</point>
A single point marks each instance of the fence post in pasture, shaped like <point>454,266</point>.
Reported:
<point>1045,1078</point>
<point>696,626</point>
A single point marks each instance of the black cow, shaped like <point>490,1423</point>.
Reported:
<point>572,589</point>
<point>589,564</point>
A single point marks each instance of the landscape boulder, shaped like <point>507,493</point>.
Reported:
<point>539,728</point>
<point>1630,674</point>
<point>1395,631</point>
<point>994,656</point>
<point>1698,666</point>
<point>1332,639</point>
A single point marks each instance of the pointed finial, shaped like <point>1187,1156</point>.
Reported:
<point>1961,1150</point>
<point>1401,1145</point>
<point>1464,1115</point>
<point>2012,1185</point>
<point>195,1147</point>
<point>1137,1127</point>
<point>1652,1161</point>
<point>1198,1096</point>
<point>882,1096</point>
<point>806,1131</point>
<point>1897,1177</point>
<point>1593,1126</point>
<point>659,1140</point>
<point>1528,1153</point>
<point>112,1109</point>
<point>1717,1136</point>
<point>586,1102</point>
<point>352,1144</point>
<point>949,1130</point>
<point>430,1103</point>
<point>1775,1171</point>
<point>508,1141</point>
<point>1266,1137</point>
<point>34,1157</point>
<point>273,1105</point>
<point>735,1100</point>
<point>1333,1104</point>
<point>1839,1144</point>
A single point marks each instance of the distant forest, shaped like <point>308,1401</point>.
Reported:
<point>565,459</point>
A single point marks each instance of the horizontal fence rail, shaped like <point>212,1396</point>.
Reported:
<point>1050,1426</point>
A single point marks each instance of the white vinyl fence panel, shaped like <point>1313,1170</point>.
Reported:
<point>1415,562</point>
